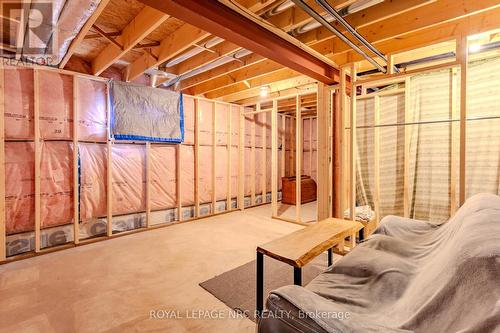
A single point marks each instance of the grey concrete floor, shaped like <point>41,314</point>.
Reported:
<point>114,285</point>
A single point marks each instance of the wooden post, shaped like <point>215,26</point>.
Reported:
<point>76,192</point>
<point>323,160</point>
<point>241,161</point>
<point>376,157</point>
<point>298,159</point>
<point>263,180</point>
<point>178,185</point>
<point>109,168</point>
<point>214,155</point>
<point>197,158</point>
<point>37,160</point>
<point>352,162</point>
<point>274,159</point>
<point>229,164</point>
<point>407,138</point>
<point>3,250</point>
<point>148,184</point>
<point>463,57</point>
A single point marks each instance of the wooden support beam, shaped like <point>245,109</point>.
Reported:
<point>274,159</point>
<point>38,153</point>
<point>243,28</point>
<point>3,229</point>
<point>83,32</point>
<point>142,25</point>
<point>148,184</point>
<point>463,59</point>
<point>171,46</point>
<point>363,18</point>
<point>323,152</point>
<point>298,160</point>
<point>353,145</point>
<point>76,189</point>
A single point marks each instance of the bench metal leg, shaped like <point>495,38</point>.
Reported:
<point>260,283</point>
<point>297,276</point>
<point>330,257</point>
<point>362,234</point>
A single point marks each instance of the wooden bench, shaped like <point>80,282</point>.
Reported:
<point>300,247</point>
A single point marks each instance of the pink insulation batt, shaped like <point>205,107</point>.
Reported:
<point>56,194</point>
<point>129,178</point>
<point>19,103</point>
<point>93,171</point>
<point>163,177</point>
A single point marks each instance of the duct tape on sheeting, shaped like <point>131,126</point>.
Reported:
<point>146,114</point>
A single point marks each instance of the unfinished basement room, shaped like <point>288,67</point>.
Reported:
<point>270,166</point>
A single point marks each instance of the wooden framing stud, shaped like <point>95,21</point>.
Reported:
<point>3,250</point>
<point>454,114</point>
<point>241,161</point>
<point>353,144</point>
<point>264,158</point>
<point>178,177</point>
<point>37,160</point>
<point>148,184</point>
<point>376,157</point>
<point>323,152</point>
<point>298,160</point>
<point>229,163</point>
<point>76,189</point>
<point>463,58</point>
<point>253,169</point>
<point>407,138</point>
<point>109,169</point>
<point>214,156</point>
<point>274,159</point>
<point>197,157</point>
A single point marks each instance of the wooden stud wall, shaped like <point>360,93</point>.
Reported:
<point>109,179</point>
<point>458,114</point>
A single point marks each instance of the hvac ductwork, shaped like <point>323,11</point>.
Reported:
<point>59,24</point>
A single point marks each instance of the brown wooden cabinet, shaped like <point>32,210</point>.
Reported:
<point>308,190</point>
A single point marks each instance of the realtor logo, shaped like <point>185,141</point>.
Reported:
<point>27,29</point>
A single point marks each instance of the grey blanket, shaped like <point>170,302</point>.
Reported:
<point>414,276</point>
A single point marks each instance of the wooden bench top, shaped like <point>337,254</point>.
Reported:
<point>302,246</point>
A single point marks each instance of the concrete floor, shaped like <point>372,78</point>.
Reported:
<point>112,286</point>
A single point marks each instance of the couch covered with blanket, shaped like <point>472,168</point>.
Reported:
<point>408,276</point>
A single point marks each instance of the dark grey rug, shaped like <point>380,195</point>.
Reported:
<point>236,288</point>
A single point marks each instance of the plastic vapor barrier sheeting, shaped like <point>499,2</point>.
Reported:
<point>146,113</point>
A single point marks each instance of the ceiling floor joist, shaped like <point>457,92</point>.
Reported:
<point>243,29</point>
<point>139,28</point>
